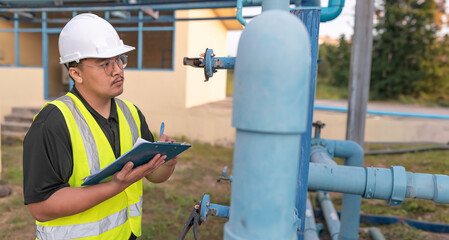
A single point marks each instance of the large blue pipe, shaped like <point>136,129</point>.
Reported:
<point>392,184</point>
<point>272,73</point>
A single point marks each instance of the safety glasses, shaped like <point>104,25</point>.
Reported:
<point>109,65</point>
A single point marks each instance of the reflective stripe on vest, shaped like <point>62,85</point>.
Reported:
<point>82,230</point>
<point>86,134</point>
<point>135,210</point>
<point>129,118</point>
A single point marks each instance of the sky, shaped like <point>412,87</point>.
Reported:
<point>343,24</point>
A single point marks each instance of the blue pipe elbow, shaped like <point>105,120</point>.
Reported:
<point>332,11</point>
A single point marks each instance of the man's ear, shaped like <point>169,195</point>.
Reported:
<point>75,74</point>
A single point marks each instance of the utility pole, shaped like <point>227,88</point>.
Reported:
<point>360,71</point>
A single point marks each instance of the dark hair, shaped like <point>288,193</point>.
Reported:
<point>70,65</point>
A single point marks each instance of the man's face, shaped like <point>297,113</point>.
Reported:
<point>103,77</point>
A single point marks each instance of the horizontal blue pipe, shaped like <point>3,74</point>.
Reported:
<point>226,62</point>
<point>119,29</point>
<point>392,184</point>
<point>380,112</point>
<point>220,210</point>
<point>163,6</point>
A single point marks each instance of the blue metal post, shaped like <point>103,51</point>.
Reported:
<point>16,39</point>
<point>311,19</point>
<point>140,41</point>
<point>271,94</point>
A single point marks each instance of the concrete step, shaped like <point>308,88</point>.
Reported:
<point>15,127</point>
<point>11,138</point>
<point>25,110</point>
<point>21,118</point>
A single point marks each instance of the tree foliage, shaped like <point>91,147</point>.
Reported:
<point>335,60</point>
<point>409,60</point>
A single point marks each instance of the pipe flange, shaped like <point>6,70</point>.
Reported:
<point>329,145</point>
<point>204,209</point>
<point>399,186</point>
<point>370,188</point>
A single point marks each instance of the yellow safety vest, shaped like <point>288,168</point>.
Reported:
<point>118,216</point>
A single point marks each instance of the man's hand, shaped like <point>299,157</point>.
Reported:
<point>128,175</point>
<point>172,162</point>
<point>166,170</point>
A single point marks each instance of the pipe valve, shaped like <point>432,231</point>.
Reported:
<point>210,63</point>
<point>224,175</point>
<point>318,125</point>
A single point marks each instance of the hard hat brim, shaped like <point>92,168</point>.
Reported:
<point>109,54</point>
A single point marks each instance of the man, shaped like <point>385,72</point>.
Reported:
<point>81,133</point>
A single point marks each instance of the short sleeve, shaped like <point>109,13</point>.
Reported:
<point>47,156</point>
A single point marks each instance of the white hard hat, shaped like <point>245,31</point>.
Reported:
<point>89,36</point>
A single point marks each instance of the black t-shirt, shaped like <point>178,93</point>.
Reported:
<point>47,149</point>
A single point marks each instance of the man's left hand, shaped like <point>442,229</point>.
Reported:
<point>172,162</point>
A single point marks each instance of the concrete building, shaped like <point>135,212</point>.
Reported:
<point>155,79</point>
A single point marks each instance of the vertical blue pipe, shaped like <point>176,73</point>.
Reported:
<point>45,53</point>
<point>330,214</point>
<point>16,39</point>
<point>139,41</point>
<point>311,18</point>
<point>271,93</point>
<point>310,230</point>
<point>350,210</point>
<point>275,4</point>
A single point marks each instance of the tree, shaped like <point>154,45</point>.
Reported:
<point>403,48</point>
<point>335,60</point>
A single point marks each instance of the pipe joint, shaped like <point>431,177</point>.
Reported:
<point>323,145</point>
<point>441,188</point>
<point>399,186</point>
<point>370,183</point>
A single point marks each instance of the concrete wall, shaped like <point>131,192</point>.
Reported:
<point>202,35</point>
<point>168,95</point>
<point>21,87</point>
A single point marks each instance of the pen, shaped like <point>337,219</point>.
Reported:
<point>162,129</point>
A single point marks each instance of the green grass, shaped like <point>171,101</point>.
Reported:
<point>168,205</point>
<point>230,82</point>
<point>327,91</point>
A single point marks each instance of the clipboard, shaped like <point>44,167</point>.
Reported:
<point>142,152</point>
